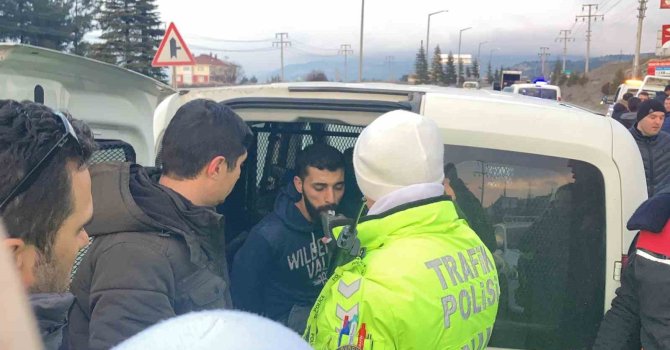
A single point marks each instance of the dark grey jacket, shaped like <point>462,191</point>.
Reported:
<point>655,151</point>
<point>154,256</point>
<point>51,311</point>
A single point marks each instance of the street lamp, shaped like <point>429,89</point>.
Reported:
<point>428,31</point>
<point>360,52</point>
<point>479,61</point>
<point>460,60</point>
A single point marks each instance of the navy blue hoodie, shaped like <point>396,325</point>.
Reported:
<point>282,265</point>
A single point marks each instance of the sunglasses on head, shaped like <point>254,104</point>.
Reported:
<point>69,136</point>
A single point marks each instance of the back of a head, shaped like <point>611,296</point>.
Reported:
<point>627,96</point>
<point>397,150</point>
<point>216,330</point>
<point>667,89</point>
<point>633,104</point>
<point>200,131</point>
<point>320,156</point>
<point>28,131</point>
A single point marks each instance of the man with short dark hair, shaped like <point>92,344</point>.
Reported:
<point>643,96</point>
<point>654,144</point>
<point>45,200</point>
<point>157,249</point>
<point>280,269</point>
<point>662,95</point>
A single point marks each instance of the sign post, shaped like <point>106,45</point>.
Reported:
<point>173,52</point>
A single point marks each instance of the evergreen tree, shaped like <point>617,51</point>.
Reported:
<point>253,80</point>
<point>489,75</point>
<point>82,13</point>
<point>475,68</point>
<point>619,78</point>
<point>44,23</point>
<point>131,35</point>
<point>421,66</point>
<point>468,72</point>
<point>437,71</point>
<point>450,69</point>
<point>460,71</point>
<point>496,75</point>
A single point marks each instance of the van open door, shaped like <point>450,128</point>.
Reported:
<point>117,104</point>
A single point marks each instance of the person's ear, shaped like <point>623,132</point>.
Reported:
<point>297,182</point>
<point>216,167</point>
<point>23,260</point>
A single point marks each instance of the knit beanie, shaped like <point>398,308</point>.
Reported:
<point>216,330</point>
<point>396,150</point>
<point>649,106</point>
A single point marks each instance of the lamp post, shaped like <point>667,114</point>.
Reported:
<point>460,61</point>
<point>428,30</point>
<point>479,61</point>
<point>360,52</point>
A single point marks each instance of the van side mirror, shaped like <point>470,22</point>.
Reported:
<point>606,100</point>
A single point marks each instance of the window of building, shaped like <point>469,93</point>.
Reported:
<point>187,69</point>
<point>544,220</point>
<point>38,94</point>
<point>201,69</point>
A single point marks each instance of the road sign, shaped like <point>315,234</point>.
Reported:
<point>172,50</point>
<point>665,4</point>
<point>659,67</point>
<point>665,35</point>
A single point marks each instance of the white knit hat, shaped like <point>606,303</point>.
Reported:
<point>216,330</point>
<point>396,150</point>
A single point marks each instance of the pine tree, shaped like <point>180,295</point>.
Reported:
<point>450,69</point>
<point>489,75</point>
<point>475,69</point>
<point>496,74</point>
<point>82,13</point>
<point>421,66</point>
<point>44,23</point>
<point>437,71</point>
<point>460,71</point>
<point>131,35</point>
<point>468,72</point>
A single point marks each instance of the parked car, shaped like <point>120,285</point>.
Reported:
<point>539,89</point>
<point>578,175</point>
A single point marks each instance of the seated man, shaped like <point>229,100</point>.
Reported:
<point>45,200</point>
<point>282,266</point>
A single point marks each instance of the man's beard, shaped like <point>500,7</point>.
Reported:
<point>315,212</point>
<point>50,277</point>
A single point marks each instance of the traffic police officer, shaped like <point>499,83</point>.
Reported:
<point>424,279</point>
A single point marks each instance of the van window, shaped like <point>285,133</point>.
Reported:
<point>544,218</point>
<point>539,92</point>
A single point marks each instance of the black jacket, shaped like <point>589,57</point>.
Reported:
<point>51,311</point>
<point>655,151</point>
<point>282,266</point>
<point>154,255</point>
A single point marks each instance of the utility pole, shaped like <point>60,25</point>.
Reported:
<point>281,44</point>
<point>588,30</point>
<point>640,19</point>
<point>360,49</point>
<point>543,54</point>
<point>345,49</point>
<point>389,63</point>
<point>428,30</point>
<point>460,60</point>
<point>565,38</point>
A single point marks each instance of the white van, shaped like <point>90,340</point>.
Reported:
<point>553,183</point>
<point>539,89</point>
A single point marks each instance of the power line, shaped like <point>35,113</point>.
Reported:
<point>209,48</point>
<point>314,47</point>
<point>565,39</point>
<point>345,50</point>
<point>282,43</point>
<point>588,18</point>
<point>230,40</point>
<point>543,54</point>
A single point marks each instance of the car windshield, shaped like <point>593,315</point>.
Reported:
<point>549,94</point>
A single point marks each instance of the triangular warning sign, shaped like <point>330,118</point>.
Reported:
<point>173,50</point>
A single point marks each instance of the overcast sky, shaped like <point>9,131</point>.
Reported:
<point>393,27</point>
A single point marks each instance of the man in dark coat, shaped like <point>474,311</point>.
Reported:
<point>156,249</point>
<point>654,145</point>
<point>282,266</point>
<point>45,200</point>
<point>640,313</point>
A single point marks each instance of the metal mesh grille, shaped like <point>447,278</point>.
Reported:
<point>113,151</point>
